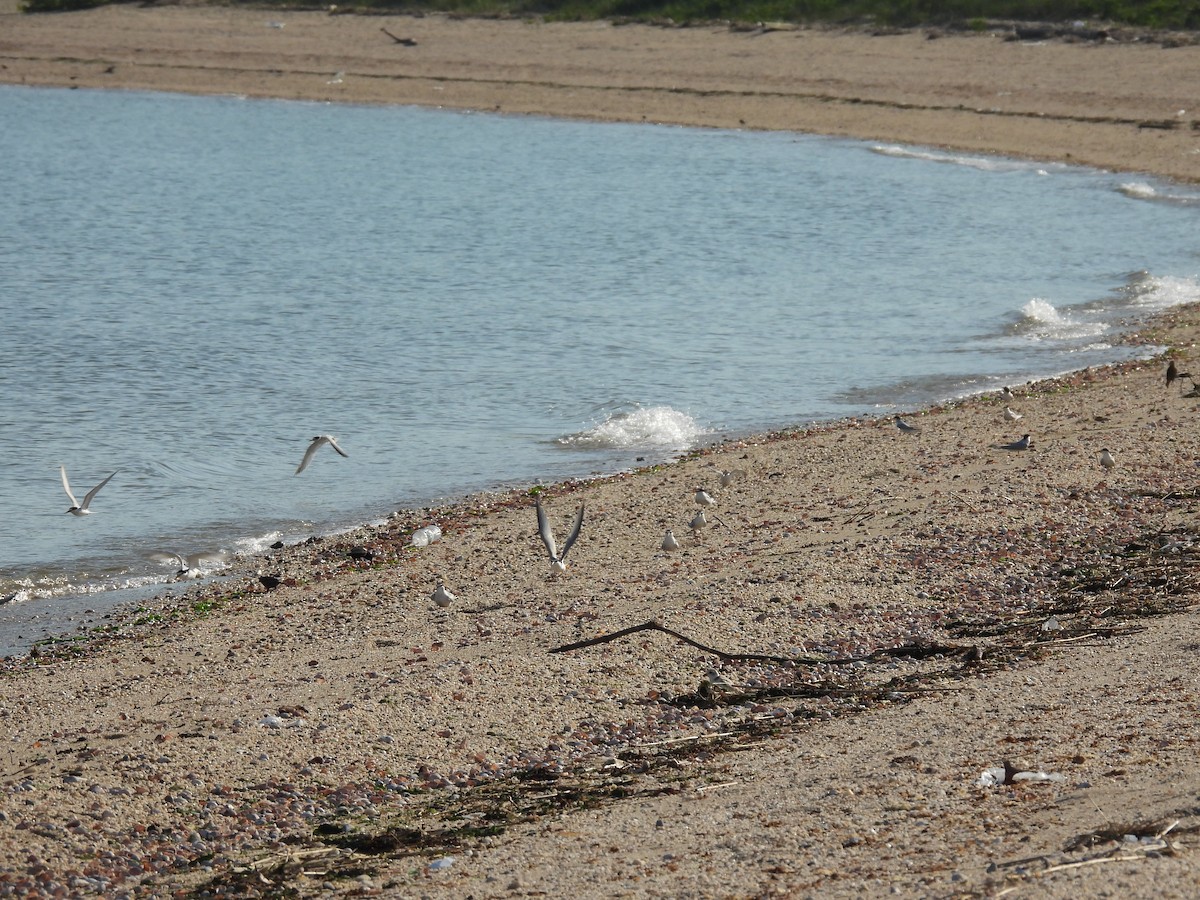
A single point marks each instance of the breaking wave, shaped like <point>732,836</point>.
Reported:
<point>650,426</point>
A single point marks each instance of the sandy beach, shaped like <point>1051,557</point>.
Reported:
<point>889,664</point>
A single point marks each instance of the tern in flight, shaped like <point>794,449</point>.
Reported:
<point>315,446</point>
<point>558,561</point>
<point>77,508</point>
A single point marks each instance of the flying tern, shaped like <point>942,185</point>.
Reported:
<point>77,508</point>
<point>315,446</point>
<point>558,561</point>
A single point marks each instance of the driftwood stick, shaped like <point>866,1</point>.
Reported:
<point>655,626</point>
<point>405,41</point>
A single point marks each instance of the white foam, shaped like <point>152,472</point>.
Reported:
<point>259,543</point>
<point>983,163</point>
<point>651,426</point>
<point>1174,194</point>
<point>1043,322</point>
<point>1163,292</point>
<point>1139,190</point>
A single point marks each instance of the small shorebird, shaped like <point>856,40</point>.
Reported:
<point>698,521</point>
<point>442,596</point>
<point>315,446</point>
<point>669,542</point>
<point>905,427</point>
<point>1007,393</point>
<point>1172,372</point>
<point>1022,444</point>
<point>558,561</point>
<point>77,508</point>
<point>704,498</point>
<point>1106,459</point>
<point>728,478</point>
<point>1011,415</point>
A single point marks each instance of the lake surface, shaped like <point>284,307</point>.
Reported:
<point>193,287</point>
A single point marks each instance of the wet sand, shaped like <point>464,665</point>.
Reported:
<point>874,618</point>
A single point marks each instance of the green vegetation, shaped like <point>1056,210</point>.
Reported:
<point>972,14</point>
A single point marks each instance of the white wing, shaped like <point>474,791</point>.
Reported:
<point>67,486</point>
<point>334,445</point>
<point>308,454</point>
<point>87,498</point>
<point>574,536</point>
<point>544,530</point>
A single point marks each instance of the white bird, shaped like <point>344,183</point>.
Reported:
<point>1011,415</point>
<point>336,79</point>
<point>728,478</point>
<point>77,508</point>
<point>1106,459</point>
<point>905,427</point>
<point>669,542</point>
<point>558,561</point>
<point>315,446</point>
<point>1022,444</point>
<point>1007,393</point>
<point>698,521</point>
<point>193,565</point>
<point>442,596</point>
<point>704,498</point>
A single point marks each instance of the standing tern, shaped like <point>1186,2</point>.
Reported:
<point>704,498</point>
<point>442,595</point>
<point>1011,415</point>
<point>670,543</point>
<point>905,427</point>
<point>558,561</point>
<point>77,508</point>
<point>315,446</point>
<point>1106,459</point>
<point>1022,444</point>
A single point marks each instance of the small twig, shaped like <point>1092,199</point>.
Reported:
<point>655,626</point>
<point>406,41</point>
<point>1090,862</point>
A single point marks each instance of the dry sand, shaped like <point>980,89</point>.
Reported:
<point>340,734</point>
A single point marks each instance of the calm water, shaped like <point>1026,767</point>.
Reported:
<point>193,287</point>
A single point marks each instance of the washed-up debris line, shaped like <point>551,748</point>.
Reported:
<point>1154,575</point>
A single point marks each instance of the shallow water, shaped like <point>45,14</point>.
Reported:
<point>194,287</point>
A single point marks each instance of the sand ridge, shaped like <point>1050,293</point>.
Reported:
<point>1127,106</point>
